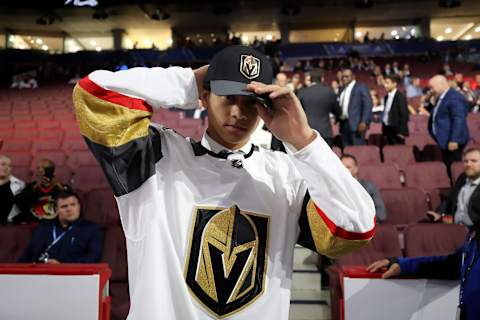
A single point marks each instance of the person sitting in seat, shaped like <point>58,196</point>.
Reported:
<point>67,239</point>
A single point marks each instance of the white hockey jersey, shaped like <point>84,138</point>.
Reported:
<point>209,237</point>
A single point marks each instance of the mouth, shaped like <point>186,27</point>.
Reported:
<point>236,127</point>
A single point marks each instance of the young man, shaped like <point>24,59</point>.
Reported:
<point>211,225</point>
<point>67,239</point>
<point>395,114</point>
<point>9,187</point>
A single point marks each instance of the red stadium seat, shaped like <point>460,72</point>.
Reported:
<point>16,145</point>
<point>6,133</point>
<point>382,175</point>
<point>419,140</point>
<point>64,174</point>
<point>20,158</point>
<point>48,124</point>
<point>74,144</point>
<point>81,158</point>
<point>115,254</point>
<point>400,155</point>
<point>40,145</point>
<point>433,239</point>
<point>23,173</point>
<point>457,170</point>
<point>101,207</point>
<point>405,205</point>
<point>86,178</point>
<point>6,124</point>
<point>49,133</point>
<point>25,124</point>
<point>365,154</point>
<point>14,240</point>
<point>427,175</point>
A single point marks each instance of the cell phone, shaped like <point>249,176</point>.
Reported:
<point>49,171</point>
<point>265,100</point>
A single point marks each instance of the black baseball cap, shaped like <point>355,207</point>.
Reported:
<point>234,67</point>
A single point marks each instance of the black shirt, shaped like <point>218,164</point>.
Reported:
<point>7,201</point>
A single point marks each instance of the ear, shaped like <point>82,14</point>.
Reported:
<point>205,98</point>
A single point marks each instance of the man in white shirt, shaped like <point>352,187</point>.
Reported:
<point>395,114</point>
<point>211,225</point>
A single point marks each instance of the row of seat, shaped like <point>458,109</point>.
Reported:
<point>14,239</point>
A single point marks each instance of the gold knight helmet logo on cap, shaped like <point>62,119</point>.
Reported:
<point>249,66</point>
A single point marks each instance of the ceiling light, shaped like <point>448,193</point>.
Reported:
<point>22,46</point>
<point>45,47</point>
<point>468,37</point>
<point>39,41</point>
<point>448,30</point>
<point>397,37</point>
<point>93,43</point>
<point>170,41</point>
<point>440,38</point>
<point>98,49</point>
<point>147,42</point>
<point>477,29</point>
<point>358,34</point>
<point>245,38</point>
<point>413,31</point>
<point>404,28</point>
<point>269,37</point>
<point>394,33</point>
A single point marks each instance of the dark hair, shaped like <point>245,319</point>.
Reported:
<point>393,78</point>
<point>349,156</point>
<point>64,194</point>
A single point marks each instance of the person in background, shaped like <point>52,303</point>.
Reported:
<point>448,120</point>
<point>464,197</point>
<point>281,79</point>
<point>319,101</point>
<point>356,105</point>
<point>377,108</point>
<point>296,83</point>
<point>66,239</point>
<point>9,187</point>
<point>36,200</point>
<point>395,114</point>
<point>412,87</point>
<point>351,163</point>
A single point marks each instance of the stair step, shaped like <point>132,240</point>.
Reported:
<point>299,256</point>
<point>299,296</point>
<point>309,311</point>
<point>306,280</point>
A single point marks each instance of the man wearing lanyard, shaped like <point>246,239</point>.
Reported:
<point>69,238</point>
<point>464,264</point>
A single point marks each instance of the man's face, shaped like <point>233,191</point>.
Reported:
<point>347,77</point>
<point>416,82</point>
<point>471,164</point>
<point>389,84</point>
<point>281,79</point>
<point>5,167</point>
<point>436,87</point>
<point>231,119</point>
<point>68,209</point>
<point>349,163</point>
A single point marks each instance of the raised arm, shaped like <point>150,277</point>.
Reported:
<point>113,111</point>
<point>338,214</point>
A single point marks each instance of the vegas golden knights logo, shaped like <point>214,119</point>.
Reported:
<point>227,259</point>
<point>249,66</point>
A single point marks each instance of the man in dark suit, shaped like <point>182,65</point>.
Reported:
<point>395,114</point>
<point>463,201</point>
<point>66,239</point>
<point>448,120</point>
<point>356,104</point>
<point>319,101</point>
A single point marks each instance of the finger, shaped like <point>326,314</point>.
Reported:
<point>264,114</point>
<point>260,88</point>
<point>387,274</point>
<point>374,267</point>
<point>279,92</point>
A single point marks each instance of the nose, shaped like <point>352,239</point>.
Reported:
<point>237,112</point>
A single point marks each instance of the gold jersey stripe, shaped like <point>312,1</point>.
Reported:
<point>106,123</point>
<point>325,242</point>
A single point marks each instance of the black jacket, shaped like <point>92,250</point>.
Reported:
<point>398,115</point>
<point>319,101</point>
<point>82,244</point>
<point>449,206</point>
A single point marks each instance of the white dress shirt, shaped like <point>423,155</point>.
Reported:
<point>345,99</point>
<point>388,106</point>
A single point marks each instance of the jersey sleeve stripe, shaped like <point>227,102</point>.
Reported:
<point>330,242</point>
<point>340,232</point>
<point>114,97</point>
<point>107,123</point>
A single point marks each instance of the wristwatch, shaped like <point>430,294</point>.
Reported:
<point>391,261</point>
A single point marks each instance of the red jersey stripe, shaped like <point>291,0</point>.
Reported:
<point>342,233</point>
<point>114,97</point>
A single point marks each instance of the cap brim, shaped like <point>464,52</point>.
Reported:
<point>229,88</point>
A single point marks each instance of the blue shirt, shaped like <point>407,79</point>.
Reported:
<point>453,266</point>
